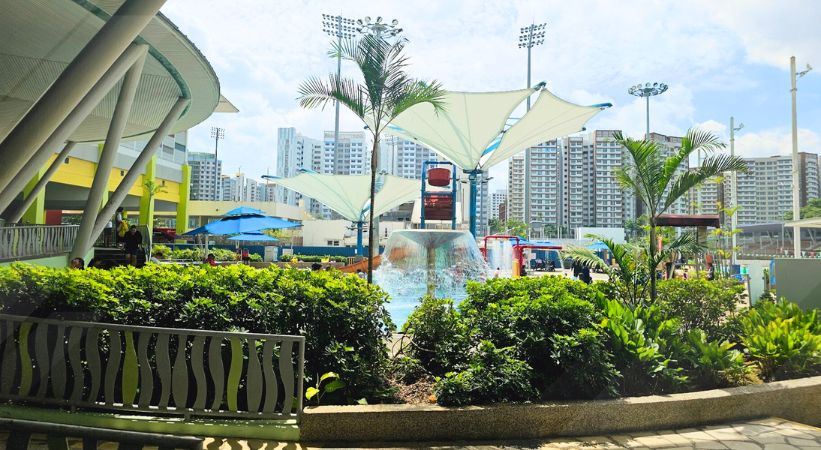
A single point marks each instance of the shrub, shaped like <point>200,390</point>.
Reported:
<point>638,339</point>
<point>493,375</point>
<point>525,314</point>
<point>782,340</point>
<point>711,364</point>
<point>313,258</point>
<point>342,317</point>
<point>587,364</point>
<point>700,303</point>
<point>160,251</point>
<point>439,336</point>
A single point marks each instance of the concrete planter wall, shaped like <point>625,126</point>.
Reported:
<point>797,400</point>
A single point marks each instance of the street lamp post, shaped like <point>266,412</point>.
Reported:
<point>529,37</point>
<point>338,27</point>
<point>734,188</point>
<point>217,134</point>
<point>646,90</point>
<point>796,195</point>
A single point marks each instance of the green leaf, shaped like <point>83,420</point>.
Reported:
<point>334,385</point>
<point>327,376</point>
<point>362,401</point>
<point>311,392</point>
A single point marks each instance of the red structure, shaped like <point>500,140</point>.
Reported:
<point>518,257</point>
<point>438,204</point>
<point>497,236</point>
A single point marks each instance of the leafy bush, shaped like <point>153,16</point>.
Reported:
<point>342,317</point>
<point>408,370</point>
<point>160,251</point>
<point>638,338</point>
<point>782,340</point>
<point>699,303</point>
<point>439,336</point>
<point>711,364</point>
<point>312,258</point>
<point>493,375</point>
<point>525,314</point>
<point>588,369</point>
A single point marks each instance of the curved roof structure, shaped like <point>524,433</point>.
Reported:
<point>349,195</point>
<point>471,131</point>
<point>39,38</point>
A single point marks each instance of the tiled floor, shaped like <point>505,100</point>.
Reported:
<point>765,434</point>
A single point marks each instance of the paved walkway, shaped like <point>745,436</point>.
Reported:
<point>765,434</point>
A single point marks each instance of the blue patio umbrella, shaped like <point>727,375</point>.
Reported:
<point>244,211</point>
<point>254,237</point>
<point>243,224</point>
<point>597,246</point>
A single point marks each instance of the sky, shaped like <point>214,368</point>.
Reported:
<point>719,58</point>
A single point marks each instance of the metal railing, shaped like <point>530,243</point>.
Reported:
<point>153,370</point>
<point>36,241</point>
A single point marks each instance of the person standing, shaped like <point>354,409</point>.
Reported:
<point>118,221</point>
<point>132,241</point>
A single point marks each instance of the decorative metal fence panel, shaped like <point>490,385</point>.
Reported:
<point>146,369</point>
<point>35,241</point>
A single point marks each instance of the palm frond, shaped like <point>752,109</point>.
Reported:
<point>711,167</point>
<point>315,92</point>
<point>415,93</point>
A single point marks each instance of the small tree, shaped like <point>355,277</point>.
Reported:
<point>630,269</point>
<point>385,92</point>
<point>658,182</point>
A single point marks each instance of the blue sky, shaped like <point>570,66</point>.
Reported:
<point>720,58</point>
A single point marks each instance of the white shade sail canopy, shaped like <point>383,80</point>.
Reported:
<point>471,132</point>
<point>349,195</point>
<point>549,118</point>
<point>470,122</point>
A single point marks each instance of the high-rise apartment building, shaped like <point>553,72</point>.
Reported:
<point>350,156</point>
<point>765,190</point>
<point>296,152</point>
<point>404,158</point>
<point>611,204</point>
<point>206,176</point>
<point>497,199</point>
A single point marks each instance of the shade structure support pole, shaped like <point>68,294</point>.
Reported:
<point>360,249</point>
<point>796,175</point>
<point>67,127</point>
<point>99,186</point>
<point>119,194</point>
<point>74,83</point>
<point>18,213</point>
<point>474,194</point>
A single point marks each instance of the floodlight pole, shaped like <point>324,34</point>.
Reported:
<point>646,90</point>
<point>217,133</point>
<point>734,189</point>
<point>526,39</point>
<point>796,194</point>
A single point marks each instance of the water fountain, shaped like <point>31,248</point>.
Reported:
<point>432,262</point>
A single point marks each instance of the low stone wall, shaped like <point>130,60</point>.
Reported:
<point>797,400</point>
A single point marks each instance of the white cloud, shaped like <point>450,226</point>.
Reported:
<point>775,142</point>
<point>594,50</point>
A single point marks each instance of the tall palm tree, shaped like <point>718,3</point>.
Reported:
<point>658,181</point>
<point>385,91</point>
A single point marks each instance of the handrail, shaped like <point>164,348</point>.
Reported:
<point>36,241</point>
<point>151,369</point>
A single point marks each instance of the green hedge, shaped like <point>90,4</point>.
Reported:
<point>160,251</point>
<point>312,258</point>
<point>342,317</point>
<point>551,337</point>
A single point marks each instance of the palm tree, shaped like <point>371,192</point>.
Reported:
<point>385,92</point>
<point>631,263</point>
<point>658,181</point>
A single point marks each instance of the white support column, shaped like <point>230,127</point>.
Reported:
<point>17,214</point>
<point>99,186</point>
<point>117,197</point>
<point>73,84</point>
<point>67,127</point>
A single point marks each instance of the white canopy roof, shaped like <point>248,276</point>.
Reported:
<point>349,195</point>
<point>549,118</point>
<point>467,126</point>
<point>471,131</point>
